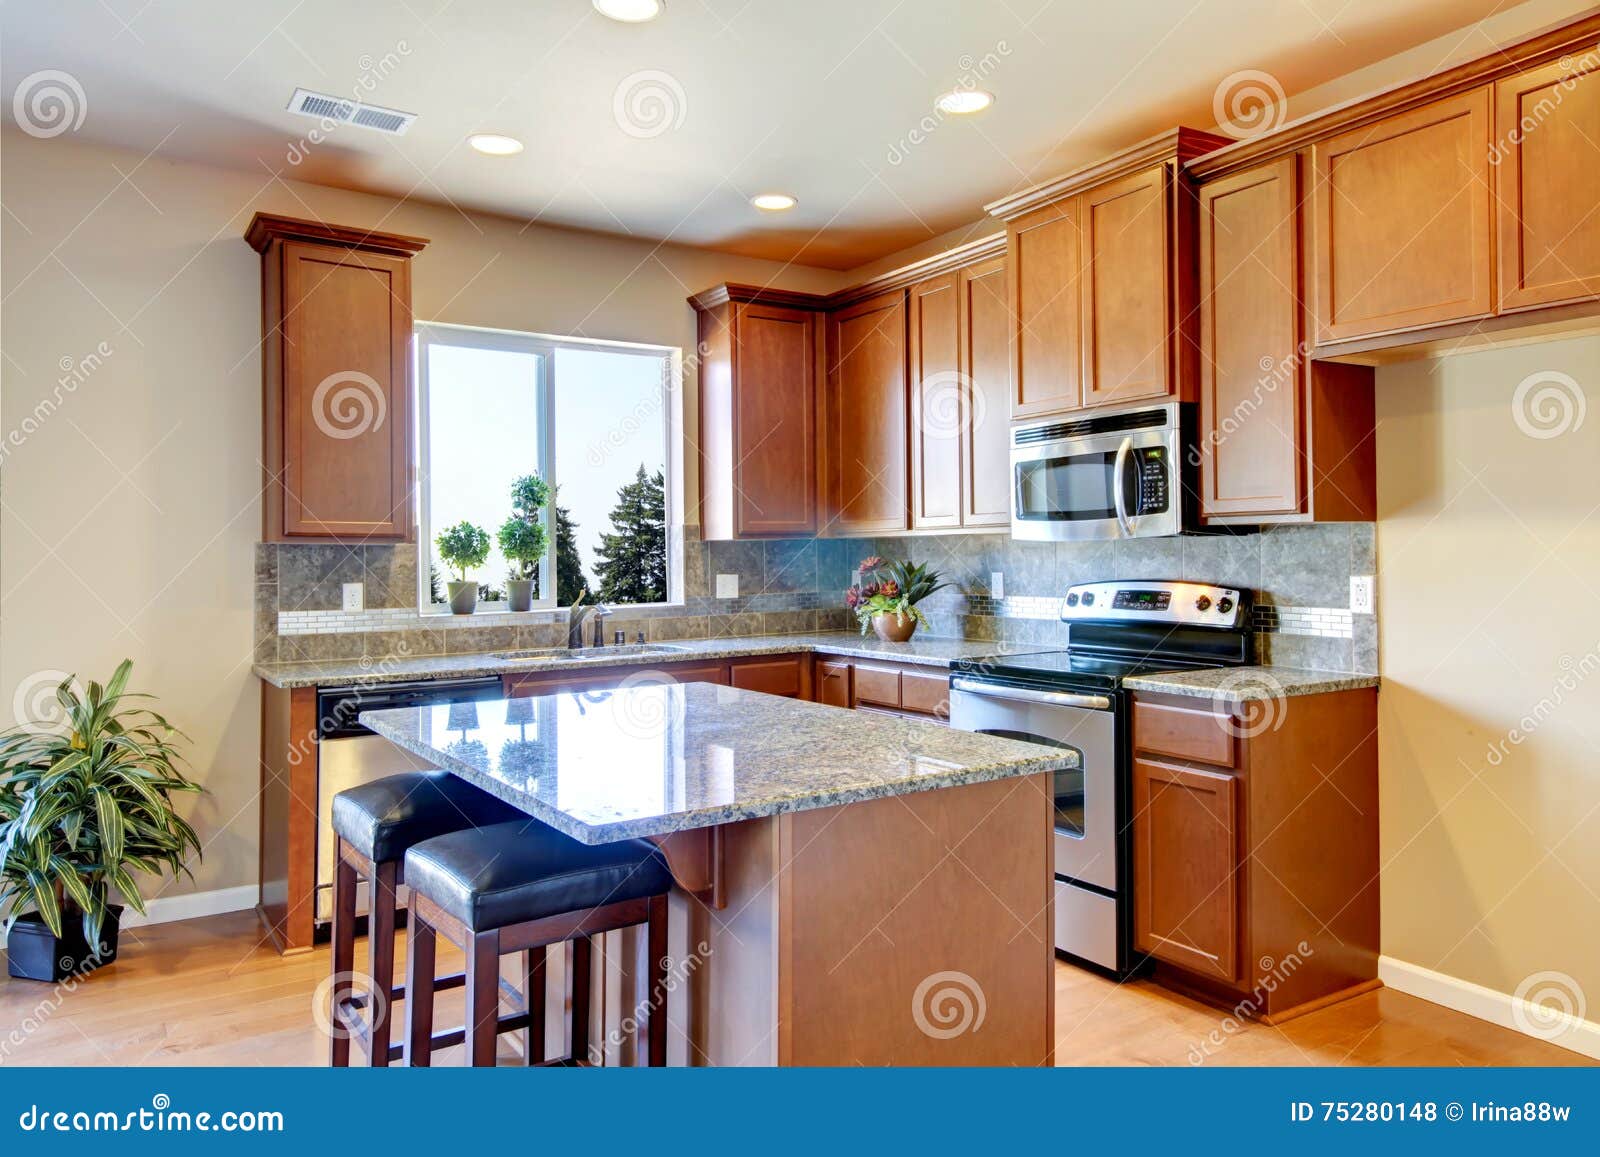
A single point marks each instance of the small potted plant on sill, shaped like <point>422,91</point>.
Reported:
<point>523,539</point>
<point>886,595</point>
<point>464,547</point>
<point>85,802</point>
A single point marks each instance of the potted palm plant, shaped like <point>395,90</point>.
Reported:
<point>84,805</point>
<point>523,539</point>
<point>464,547</point>
<point>886,595</point>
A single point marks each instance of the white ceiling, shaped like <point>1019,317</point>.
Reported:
<point>819,98</point>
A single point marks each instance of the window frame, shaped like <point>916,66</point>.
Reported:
<point>546,346</point>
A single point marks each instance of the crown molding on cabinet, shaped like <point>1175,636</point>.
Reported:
<point>266,228</point>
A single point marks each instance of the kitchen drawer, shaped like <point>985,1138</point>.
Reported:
<point>925,692</point>
<point>690,672</point>
<point>832,683</point>
<point>780,676</point>
<point>878,686</point>
<point>1184,733</point>
<point>555,682</point>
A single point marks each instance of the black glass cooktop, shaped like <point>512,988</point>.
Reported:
<point>1075,669</point>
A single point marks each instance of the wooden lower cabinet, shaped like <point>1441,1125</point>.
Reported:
<point>1255,848</point>
<point>830,679</point>
<point>787,675</point>
<point>905,689</point>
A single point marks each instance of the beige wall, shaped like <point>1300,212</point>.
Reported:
<point>131,510</point>
<point>1489,592</point>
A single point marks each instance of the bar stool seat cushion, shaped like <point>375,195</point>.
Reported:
<point>526,870</point>
<point>383,818</point>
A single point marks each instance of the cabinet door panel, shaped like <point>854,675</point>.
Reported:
<point>346,406</point>
<point>832,683</point>
<point>775,440</point>
<point>986,364</point>
<point>1043,252</point>
<point>780,676</point>
<point>1547,131</point>
<point>1186,876</point>
<point>1127,310</point>
<point>867,415</point>
<point>1251,432</point>
<point>1402,221</point>
<point>938,404</point>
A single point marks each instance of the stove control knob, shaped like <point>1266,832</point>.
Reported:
<point>1088,598</point>
<point>1224,606</point>
<point>1203,603</point>
<point>1072,600</point>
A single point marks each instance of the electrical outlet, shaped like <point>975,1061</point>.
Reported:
<point>1362,596</point>
<point>997,584</point>
<point>355,597</point>
<point>727,586</point>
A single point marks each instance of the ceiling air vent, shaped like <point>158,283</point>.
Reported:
<point>322,107</point>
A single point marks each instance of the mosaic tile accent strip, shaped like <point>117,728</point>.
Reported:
<point>1321,622</point>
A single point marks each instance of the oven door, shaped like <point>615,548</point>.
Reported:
<point>1100,486</point>
<point>1085,797</point>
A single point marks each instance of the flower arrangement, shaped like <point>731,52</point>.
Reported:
<point>886,595</point>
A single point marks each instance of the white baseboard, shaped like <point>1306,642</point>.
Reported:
<point>165,909</point>
<point>1501,1008</point>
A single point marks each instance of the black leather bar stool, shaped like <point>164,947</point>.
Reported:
<point>375,824</point>
<point>517,887</point>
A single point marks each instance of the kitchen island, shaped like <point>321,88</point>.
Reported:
<point>853,888</point>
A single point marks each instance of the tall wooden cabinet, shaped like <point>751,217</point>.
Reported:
<point>986,371</point>
<point>867,410</point>
<point>336,368</point>
<point>939,402</point>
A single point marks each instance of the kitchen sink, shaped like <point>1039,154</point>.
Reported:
<point>618,651</point>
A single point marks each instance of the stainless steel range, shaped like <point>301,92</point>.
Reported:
<point>1075,699</point>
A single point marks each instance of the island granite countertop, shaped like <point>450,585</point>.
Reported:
<point>1231,686</point>
<point>669,757</point>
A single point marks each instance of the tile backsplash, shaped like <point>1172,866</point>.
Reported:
<point>1300,576</point>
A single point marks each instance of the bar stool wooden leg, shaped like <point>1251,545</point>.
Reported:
<point>581,961</point>
<point>344,954</point>
<point>656,1009</point>
<point>534,995</point>
<point>483,998</point>
<point>420,949</point>
<point>381,907</point>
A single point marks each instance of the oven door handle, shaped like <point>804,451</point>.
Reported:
<point>1118,497</point>
<point>1028,695</point>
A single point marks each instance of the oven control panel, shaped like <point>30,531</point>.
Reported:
<point>1194,604</point>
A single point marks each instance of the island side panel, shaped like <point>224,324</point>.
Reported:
<point>288,816</point>
<point>918,930</point>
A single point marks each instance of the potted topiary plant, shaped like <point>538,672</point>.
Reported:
<point>464,547</point>
<point>523,539</point>
<point>85,804</point>
<point>886,597</point>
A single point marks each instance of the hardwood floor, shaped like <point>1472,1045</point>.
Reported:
<point>212,992</point>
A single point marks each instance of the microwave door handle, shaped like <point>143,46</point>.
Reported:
<point>1118,491</point>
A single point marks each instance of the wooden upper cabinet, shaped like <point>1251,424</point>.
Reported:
<point>868,427</point>
<point>338,430</point>
<point>758,417</point>
<point>938,403</point>
<point>1547,131</point>
<point>1251,431</point>
<point>1044,249</point>
<point>986,367</point>
<point>1127,279</point>
<point>1402,221</point>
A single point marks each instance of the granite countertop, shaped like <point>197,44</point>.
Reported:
<point>1234,685</point>
<point>665,757</point>
<point>932,652</point>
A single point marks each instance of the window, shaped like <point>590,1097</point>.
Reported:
<point>592,419</point>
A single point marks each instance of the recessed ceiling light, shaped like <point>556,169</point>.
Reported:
<point>964,100</point>
<point>629,11</point>
<point>773,202</point>
<point>495,145</point>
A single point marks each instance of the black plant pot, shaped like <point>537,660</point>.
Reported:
<point>34,953</point>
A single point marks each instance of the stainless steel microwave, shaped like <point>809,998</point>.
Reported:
<point>1109,474</point>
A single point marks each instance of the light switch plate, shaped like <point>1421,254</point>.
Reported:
<point>727,586</point>
<point>1361,594</point>
<point>355,597</point>
<point>997,584</point>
